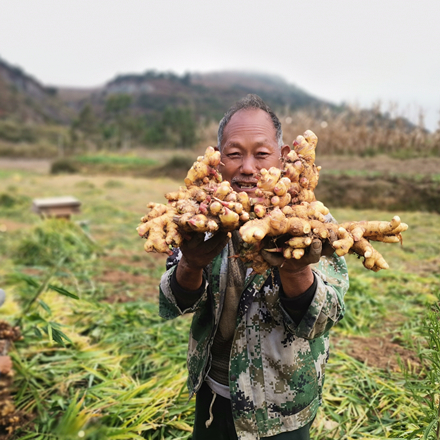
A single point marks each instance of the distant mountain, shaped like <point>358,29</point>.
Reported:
<point>146,98</point>
<point>207,95</point>
<point>25,99</point>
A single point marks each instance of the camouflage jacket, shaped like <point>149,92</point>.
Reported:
<point>276,367</point>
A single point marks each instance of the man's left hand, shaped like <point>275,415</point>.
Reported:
<point>312,255</point>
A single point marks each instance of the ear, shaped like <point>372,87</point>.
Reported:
<point>285,150</point>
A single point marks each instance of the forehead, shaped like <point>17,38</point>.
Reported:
<point>248,125</point>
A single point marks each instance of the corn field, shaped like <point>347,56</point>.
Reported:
<point>355,132</point>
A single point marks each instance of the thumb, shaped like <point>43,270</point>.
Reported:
<point>315,251</point>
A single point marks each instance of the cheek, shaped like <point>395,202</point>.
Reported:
<point>273,161</point>
<point>227,170</point>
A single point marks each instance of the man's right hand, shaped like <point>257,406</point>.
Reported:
<point>197,254</point>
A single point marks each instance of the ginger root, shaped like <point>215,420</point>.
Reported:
<point>10,418</point>
<point>283,211</point>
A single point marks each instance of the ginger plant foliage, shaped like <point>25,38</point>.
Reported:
<point>284,216</point>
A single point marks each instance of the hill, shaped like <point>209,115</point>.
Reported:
<point>207,95</point>
<point>165,109</point>
<point>151,109</point>
<point>25,99</point>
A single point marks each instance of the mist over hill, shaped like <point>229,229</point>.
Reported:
<point>208,96</point>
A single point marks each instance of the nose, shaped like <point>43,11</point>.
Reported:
<point>249,165</point>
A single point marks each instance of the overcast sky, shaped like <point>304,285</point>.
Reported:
<point>354,51</point>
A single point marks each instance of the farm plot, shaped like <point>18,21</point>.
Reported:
<point>96,361</point>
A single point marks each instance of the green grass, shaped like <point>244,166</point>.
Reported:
<point>123,373</point>
<point>116,159</point>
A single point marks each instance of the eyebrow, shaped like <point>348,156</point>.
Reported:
<point>239,145</point>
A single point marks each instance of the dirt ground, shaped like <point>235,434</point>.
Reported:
<point>128,278</point>
<point>430,165</point>
<point>423,165</point>
<point>41,166</point>
<point>378,352</point>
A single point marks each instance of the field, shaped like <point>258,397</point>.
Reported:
<point>96,362</point>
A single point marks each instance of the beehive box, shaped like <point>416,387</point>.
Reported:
<point>62,207</point>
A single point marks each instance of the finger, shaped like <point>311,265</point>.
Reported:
<point>315,251</point>
<point>273,258</point>
<point>327,250</point>
<point>332,235</point>
<point>194,241</point>
<point>218,240</point>
<point>217,245</point>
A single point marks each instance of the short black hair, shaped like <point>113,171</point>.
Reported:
<point>250,102</point>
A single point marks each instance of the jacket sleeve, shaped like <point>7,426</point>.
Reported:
<point>327,306</point>
<point>169,306</point>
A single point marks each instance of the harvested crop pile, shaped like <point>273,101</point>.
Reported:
<point>283,217</point>
<point>10,418</point>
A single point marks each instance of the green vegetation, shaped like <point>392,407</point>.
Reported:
<point>167,164</point>
<point>50,241</point>
<point>122,127</point>
<point>25,140</point>
<point>12,132</point>
<point>112,159</point>
<point>103,162</point>
<point>105,366</point>
<point>176,128</point>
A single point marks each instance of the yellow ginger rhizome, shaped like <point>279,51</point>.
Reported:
<point>284,216</point>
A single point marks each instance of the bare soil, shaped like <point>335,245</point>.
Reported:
<point>378,352</point>
<point>128,278</point>
<point>41,166</point>
<point>383,164</point>
<point>10,225</point>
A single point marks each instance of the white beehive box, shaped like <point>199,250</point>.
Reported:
<point>62,207</point>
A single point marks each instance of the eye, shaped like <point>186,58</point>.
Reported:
<point>233,155</point>
<point>262,154</point>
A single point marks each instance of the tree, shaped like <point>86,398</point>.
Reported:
<point>182,124</point>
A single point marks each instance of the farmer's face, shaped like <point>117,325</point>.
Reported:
<point>249,144</point>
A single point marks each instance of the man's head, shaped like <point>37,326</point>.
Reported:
<point>250,102</point>
<point>250,138</point>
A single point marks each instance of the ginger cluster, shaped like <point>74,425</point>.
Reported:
<point>10,418</point>
<point>283,217</point>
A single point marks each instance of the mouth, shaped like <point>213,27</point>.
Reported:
<point>244,185</point>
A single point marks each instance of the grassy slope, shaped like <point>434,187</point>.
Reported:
<point>128,366</point>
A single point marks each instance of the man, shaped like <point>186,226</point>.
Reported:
<point>258,343</point>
